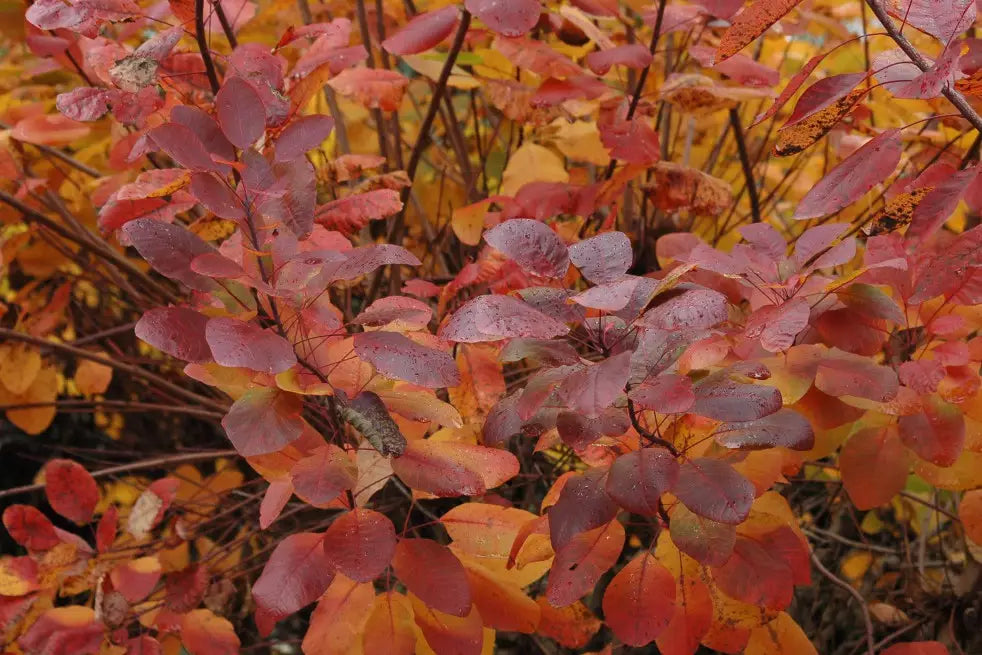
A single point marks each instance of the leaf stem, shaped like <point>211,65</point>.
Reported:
<point>748,172</point>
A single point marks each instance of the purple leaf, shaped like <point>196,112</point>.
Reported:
<point>822,94</point>
<point>667,394</point>
<point>602,258</point>
<point>423,32</point>
<point>713,489</point>
<point>237,343</point>
<point>638,479</point>
<point>846,374</point>
<point>183,146</point>
<point>853,177</point>
<point>724,399</point>
<point>87,103</point>
<point>594,388</point>
<point>777,325</point>
<point>263,421</point>
<point>495,317</point>
<point>785,427</point>
<point>177,331</point>
<point>940,203</point>
<point>170,249</point>
<point>511,18</point>
<point>241,113</point>
<point>632,55</point>
<point>399,357</point>
<point>583,505</point>
<point>216,196</point>
<point>532,245</point>
<point>302,135</point>
<point>206,129</point>
<point>689,308</point>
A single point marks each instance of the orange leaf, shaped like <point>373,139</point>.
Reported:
<point>751,23</point>
<point>338,621</point>
<point>205,633</point>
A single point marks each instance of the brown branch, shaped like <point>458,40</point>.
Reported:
<point>68,159</point>
<point>748,172</point>
<point>131,369</point>
<point>953,96</point>
<point>226,26</point>
<point>142,465</point>
<point>115,405</point>
<point>199,35</point>
<point>867,622</point>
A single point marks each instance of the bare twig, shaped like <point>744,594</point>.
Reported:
<point>867,622</point>
<point>142,465</point>
<point>200,37</point>
<point>748,171</point>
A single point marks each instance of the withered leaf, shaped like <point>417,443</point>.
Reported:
<point>793,139</point>
<point>897,212</point>
<point>367,414</point>
<point>680,187</point>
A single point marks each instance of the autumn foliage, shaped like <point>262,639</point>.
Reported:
<point>472,327</point>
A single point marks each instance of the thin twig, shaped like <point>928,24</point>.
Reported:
<point>868,623</point>
<point>748,172</point>
<point>142,465</point>
<point>200,37</point>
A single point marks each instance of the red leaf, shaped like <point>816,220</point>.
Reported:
<point>638,479</point>
<point>632,55</point>
<point>399,357</point>
<point>853,177</point>
<point>451,469</point>
<point>922,375</point>
<point>274,500</point>
<point>639,602</point>
<point>845,374</point>
<point>67,630</point>
<point>942,19</point>
<point>669,393</point>
<point>30,528</point>
<point>105,533</point>
<point>423,32</point>
<point>375,88</point>
<point>786,428</point>
<point>822,94</point>
<point>296,574</point>
<point>432,572</point>
<point>86,103</point>
<point>633,142</point>
<point>690,308</point>
<point>791,88</point>
<point>241,113</point>
<point>170,249</point>
<point>301,135</point>
<point>533,246</point>
<point>740,68</point>
<point>940,203</point>
<point>495,317</point>
<point>754,576</point>
<point>360,543</point>
<point>177,331</point>
<point>602,258</point>
<point>879,450</point>
<point>708,542</point>
<point>579,565</point>
<point>691,621</point>
<point>351,213</point>
<point>71,490</point>
<point>237,343</point>
<point>263,421</point>
<point>937,433</point>
<point>512,18</point>
<point>183,146</point>
<point>583,505</point>
<point>135,579</point>
<point>594,388</point>
<point>751,23</point>
<point>321,476</point>
<point>216,196</point>
<point>713,489</point>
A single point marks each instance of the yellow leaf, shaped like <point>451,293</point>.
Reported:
<point>782,635</point>
<point>92,377</point>
<point>468,222</point>
<point>532,163</point>
<point>580,140</point>
<point>19,364</point>
<point>43,391</point>
<point>855,565</point>
<point>431,68</point>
